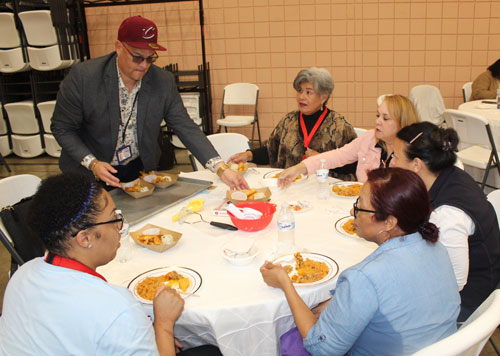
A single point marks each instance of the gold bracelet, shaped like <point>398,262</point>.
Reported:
<point>221,169</point>
<point>92,164</point>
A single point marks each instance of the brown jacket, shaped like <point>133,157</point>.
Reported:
<point>484,87</point>
<point>286,146</point>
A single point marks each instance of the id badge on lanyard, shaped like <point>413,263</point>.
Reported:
<point>123,154</point>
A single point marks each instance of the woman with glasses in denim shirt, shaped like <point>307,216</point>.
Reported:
<point>400,298</point>
<point>60,305</point>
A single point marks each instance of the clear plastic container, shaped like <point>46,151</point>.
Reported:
<point>322,178</point>
<point>286,229</point>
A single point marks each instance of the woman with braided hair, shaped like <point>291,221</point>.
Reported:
<point>400,298</point>
<point>467,221</point>
<point>60,305</point>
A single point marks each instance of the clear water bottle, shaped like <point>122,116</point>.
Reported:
<point>498,98</point>
<point>322,177</point>
<point>286,230</point>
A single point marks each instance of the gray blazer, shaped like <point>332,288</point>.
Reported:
<point>87,115</point>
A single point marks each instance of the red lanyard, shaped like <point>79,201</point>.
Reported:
<point>71,264</point>
<point>308,138</point>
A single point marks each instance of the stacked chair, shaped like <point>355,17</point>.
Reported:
<point>44,50</point>
<point>25,128</point>
<point>13,56</point>
<point>46,110</point>
<point>5,149</point>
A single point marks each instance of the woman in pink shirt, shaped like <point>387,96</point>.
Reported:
<point>372,150</point>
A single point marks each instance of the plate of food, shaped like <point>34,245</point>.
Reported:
<point>308,269</point>
<point>274,175</point>
<point>300,206</point>
<point>346,189</point>
<point>241,167</point>
<point>346,226</point>
<point>185,281</point>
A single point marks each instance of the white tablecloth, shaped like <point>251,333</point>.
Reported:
<point>235,309</point>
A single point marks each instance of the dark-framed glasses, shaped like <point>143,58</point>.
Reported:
<point>356,209</point>
<point>138,59</point>
<point>118,219</point>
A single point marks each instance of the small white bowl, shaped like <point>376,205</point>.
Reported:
<point>241,260</point>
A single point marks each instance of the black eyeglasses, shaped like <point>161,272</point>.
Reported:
<point>119,219</point>
<point>356,209</point>
<point>139,59</point>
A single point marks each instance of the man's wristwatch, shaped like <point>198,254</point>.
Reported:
<point>87,160</point>
<point>221,169</point>
<point>212,162</point>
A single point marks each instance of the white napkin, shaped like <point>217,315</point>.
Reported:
<point>244,213</point>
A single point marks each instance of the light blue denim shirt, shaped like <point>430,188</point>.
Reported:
<point>402,297</point>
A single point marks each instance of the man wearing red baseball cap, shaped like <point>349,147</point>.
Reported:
<point>109,111</point>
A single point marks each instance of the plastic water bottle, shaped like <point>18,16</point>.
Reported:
<point>286,230</point>
<point>322,176</point>
<point>498,98</point>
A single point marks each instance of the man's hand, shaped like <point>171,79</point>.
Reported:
<point>103,171</point>
<point>241,157</point>
<point>234,180</point>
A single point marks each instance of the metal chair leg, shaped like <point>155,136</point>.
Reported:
<point>494,346</point>
<point>3,161</point>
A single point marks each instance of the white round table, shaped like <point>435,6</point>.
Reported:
<point>234,308</point>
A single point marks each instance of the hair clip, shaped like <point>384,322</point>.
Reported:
<point>420,134</point>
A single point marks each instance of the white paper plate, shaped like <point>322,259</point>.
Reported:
<point>330,262</point>
<point>339,228</point>
<point>344,184</point>
<point>302,206</point>
<point>194,280</point>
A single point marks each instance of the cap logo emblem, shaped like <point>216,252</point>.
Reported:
<point>149,33</point>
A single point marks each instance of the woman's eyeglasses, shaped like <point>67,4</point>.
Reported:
<point>119,219</point>
<point>356,209</point>
<point>138,59</point>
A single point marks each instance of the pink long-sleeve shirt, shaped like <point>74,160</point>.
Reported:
<point>362,150</point>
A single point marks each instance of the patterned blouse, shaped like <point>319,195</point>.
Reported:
<point>286,143</point>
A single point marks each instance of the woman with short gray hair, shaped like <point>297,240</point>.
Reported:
<point>302,133</point>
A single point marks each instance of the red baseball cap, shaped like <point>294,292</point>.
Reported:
<point>138,32</point>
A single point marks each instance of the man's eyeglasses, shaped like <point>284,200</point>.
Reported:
<point>119,219</point>
<point>356,209</point>
<point>139,59</point>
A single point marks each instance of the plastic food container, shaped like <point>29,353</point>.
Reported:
<point>267,210</point>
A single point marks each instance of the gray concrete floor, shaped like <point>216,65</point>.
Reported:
<point>45,166</point>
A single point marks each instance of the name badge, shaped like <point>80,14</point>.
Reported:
<point>123,154</point>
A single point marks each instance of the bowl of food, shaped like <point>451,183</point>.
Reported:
<point>267,210</point>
